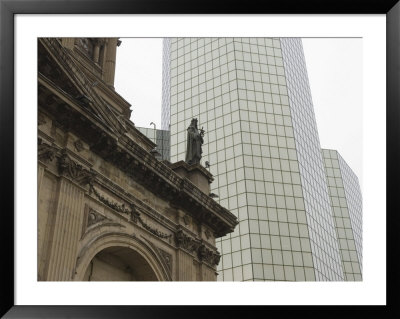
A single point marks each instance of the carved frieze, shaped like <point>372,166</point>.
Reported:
<point>121,208</point>
<point>131,212</point>
<point>153,230</point>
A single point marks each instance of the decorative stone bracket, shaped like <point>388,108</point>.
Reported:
<point>46,152</point>
<point>73,170</point>
<point>195,246</point>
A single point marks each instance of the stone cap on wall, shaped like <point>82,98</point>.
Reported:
<point>196,173</point>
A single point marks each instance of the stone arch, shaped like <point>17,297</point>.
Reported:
<point>106,242</point>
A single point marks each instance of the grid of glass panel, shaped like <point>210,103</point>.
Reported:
<point>353,194</point>
<point>346,201</point>
<point>161,138</point>
<point>236,87</point>
<point>166,97</point>
<point>321,227</point>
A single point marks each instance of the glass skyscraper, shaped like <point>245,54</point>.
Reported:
<point>346,201</point>
<point>252,97</point>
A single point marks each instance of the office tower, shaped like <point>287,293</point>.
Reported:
<point>166,86</point>
<point>160,138</point>
<point>346,199</point>
<point>253,99</point>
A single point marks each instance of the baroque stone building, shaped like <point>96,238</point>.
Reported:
<point>108,209</point>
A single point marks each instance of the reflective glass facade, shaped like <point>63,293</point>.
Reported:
<point>252,97</point>
<point>324,244</point>
<point>346,200</point>
<point>166,87</point>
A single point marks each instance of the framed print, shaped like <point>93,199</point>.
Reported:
<point>137,216</point>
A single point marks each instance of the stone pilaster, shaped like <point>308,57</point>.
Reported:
<point>67,226</point>
<point>186,268</point>
<point>40,178</point>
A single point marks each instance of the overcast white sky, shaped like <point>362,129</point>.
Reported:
<point>334,68</point>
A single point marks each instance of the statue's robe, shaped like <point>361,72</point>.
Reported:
<point>193,147</point>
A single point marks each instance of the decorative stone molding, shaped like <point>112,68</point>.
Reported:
<point>153,230</point>
<point>94,217</point>
<point>209,256</point>
<point>131,212</point>
<point>121,208</point>
<point>167,259</point>
<point>73,170</point>
<point>78,145</point>
<point>46,152</point>
<point>195,246</point>
<point>186,242</point>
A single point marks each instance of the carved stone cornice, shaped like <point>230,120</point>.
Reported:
<point>178,190</point>
<point>197,247</point>
<point>186,242</point>
<point>46,152</point>
<point>69,168</point>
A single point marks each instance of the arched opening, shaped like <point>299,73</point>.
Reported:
<point>119,263</point>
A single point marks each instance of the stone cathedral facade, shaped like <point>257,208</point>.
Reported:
<point>108,209</point>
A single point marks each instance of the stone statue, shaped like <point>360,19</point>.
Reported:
<point>194,142</point>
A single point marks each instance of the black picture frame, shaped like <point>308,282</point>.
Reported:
<point>8,10</point>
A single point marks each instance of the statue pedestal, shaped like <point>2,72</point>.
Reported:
<point>196,173</point>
